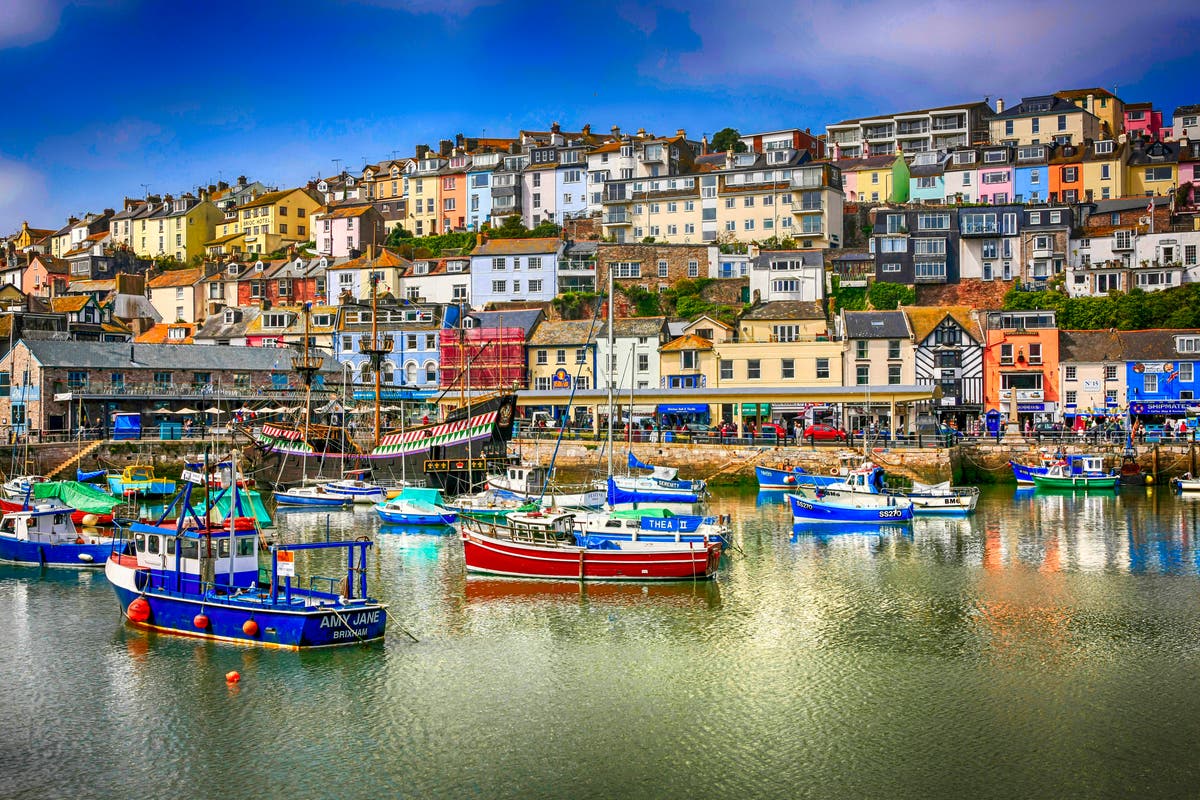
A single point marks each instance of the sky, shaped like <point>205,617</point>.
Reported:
<point>116,98</point>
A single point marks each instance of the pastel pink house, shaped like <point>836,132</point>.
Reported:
<point>1142,118</point>
<point>348,231</point>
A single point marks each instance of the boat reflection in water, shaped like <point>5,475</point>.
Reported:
<point>480,590</point>
<point>771,498</point>
<point>827,529</point>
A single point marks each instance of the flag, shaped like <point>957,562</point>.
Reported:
<point>1150,207</point>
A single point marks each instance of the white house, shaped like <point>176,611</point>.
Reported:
<point>635,344</point>
<point>788,275</point>
<point>503,270</point>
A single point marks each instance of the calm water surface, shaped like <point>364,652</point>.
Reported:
<point>1047,647</point>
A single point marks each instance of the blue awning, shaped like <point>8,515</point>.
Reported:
<point>683,408</point>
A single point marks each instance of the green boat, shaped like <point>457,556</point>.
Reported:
<point>1056,477</point>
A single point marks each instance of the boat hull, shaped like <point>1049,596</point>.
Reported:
<point>943,505</point>
<point>65,554</point>
<point>491,556</point>
<point>1187,485</point>
<point>805,510</point>
<point>1024,472</point>
<point>282,499</point>
<point>277,627</point>
<point>771,478</point>
<point>392,517</point>
<point>1105,483</point>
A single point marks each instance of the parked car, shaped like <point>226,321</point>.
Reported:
<point>881,434</point>
<point>1047,428</point>
<point>824,433</point>
<point>771,430</point>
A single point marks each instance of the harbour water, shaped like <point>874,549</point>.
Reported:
<point>1047,647</point>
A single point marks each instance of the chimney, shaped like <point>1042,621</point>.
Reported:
<point>459,140</point>
<point>641,132</point>
<point>422,149</point>
<point>681,133</point>
<point>555,127</point>
<point>587,129</point>
<point>222,185</point>
<point>444,147</point>
<point>616,131</point>
<point>999,105</point>
<point>1091,100</point>
<point>704,145</point>
<point>729,158</point>
<point>241,181</point>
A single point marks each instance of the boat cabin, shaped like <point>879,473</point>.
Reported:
<point>45,524</point>
<point>526,478</point>
<point>541,527</point>
<point>186,561</point>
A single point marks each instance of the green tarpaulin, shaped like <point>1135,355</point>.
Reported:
<point>82,496</point>
<point>249,500</point>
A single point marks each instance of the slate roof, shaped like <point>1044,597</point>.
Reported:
<point>787,309</point>
<point>516,247</point>
<point>1153,345</point>
<point>344,212</point>
<point>1153,154</point>
<point>810,258</point>
<point>876,325</point>
<point>98,286</point>
<point>270,198</point>
<point>133,306</point>
<point>1193,109</point>
<point>628,327</point>
<point>1128,204</point>
<point>215,326</point>
<point>524,318</point>
<point>565,332</point>
<point>1090,346</point>
<point>1040,105</point>
<point>115,355</point>
<point>55,266</point>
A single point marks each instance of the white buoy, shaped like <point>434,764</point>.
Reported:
<point>90,520</point>
<point>86,557</point>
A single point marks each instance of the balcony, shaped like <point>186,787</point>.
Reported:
<point>808,207</point>
<point>981,228</point>
<point>586,267</point>
<point>654,154</point>
<point>880,133</point>
<point>912,129</point>
<point>1023,395</point>
<point>618,218</point>
<point>955,123</point>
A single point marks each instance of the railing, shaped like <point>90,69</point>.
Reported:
<point>945,125</point>
<point>807,208</point>
<point>263,390</point>
<point>617,219</point>
<point>912,130</point>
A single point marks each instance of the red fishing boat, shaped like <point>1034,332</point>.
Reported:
<point>544,545</point>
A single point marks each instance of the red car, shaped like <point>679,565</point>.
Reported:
<point>824,433</point>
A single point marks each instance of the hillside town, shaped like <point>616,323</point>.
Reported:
<point>997,253</point>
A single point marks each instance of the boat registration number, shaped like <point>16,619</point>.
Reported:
<point>891,514</point>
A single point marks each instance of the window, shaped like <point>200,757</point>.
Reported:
<point>1070,397</point>
<point>1104,148</point>
<point>1006,354</point>
<point>1035,353</point>
<point>662,269</point>
<point>893,374</point>
<point>787,368</point>
<point>1186,372</point>
<point>726,369</point>
<point>693,266</point>
<point>627,269</point>
<point>893,348</point>
<point>933,222</point>
<point>643,362</point>
<point>1151,383</point>
<point>862,374</point>
<point>687,359</point>
<point>543,357</point>
<point>860,349</point>
<point>822,368</point>
<point>1008,127</point>
<point>1069,373</point>
<point>499,287</point>
<point>995,157</point>
<point>1158,173</point>
<point>785,333</point>
<point>1035,125</point>
<point>560,356</point>
<point>753,369</point>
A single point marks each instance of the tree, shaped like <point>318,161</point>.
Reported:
<point>726,139</point>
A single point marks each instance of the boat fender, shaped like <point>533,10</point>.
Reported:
<point>233,676</point>
<point>90,520</point>
<point>78,540</point>
<point>789,480</point>
<point>200,621</point>
<point>250,628</point>
<point>139,610</point>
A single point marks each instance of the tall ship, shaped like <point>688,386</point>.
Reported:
<point>454,454</point>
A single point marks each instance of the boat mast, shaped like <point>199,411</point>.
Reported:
<point>608,369</point>
<point>233,503</point>
<point>308,366</point>
<point>376,350</point>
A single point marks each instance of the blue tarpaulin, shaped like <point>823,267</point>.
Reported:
<point>635,464</point>
<point>127,426</point>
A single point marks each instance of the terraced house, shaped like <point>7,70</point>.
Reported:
<point>177,227</point>
<point>1042,119</point>
<point>267,223</point>
<point>410,369</point>
<point>949,355</point>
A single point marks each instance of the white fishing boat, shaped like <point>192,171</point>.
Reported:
<point>18,487</point>
<point>529,482</point>
<point>941,498</point>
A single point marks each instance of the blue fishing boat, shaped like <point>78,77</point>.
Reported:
<point>649,525</point>
<point>192,579</point>
<point>44,535</point>
<point>619,497</point>
<point>416,506</point>
<point>661,480</point>
<point>843,507</point>
<point>356,489</point>
<point>786,476</point>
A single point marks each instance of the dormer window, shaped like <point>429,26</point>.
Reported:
<point>176,334</point>
<point>421,268</point>
<point>234,269</point>
<point>965,157</point>
<point>456,266</point>
<point>231,315</point>
<point>258,266</point>
<point>275,321</point>
<point>995,157</point>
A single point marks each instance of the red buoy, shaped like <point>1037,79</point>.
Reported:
<point>232,676</point>
<point>200,621</point>
<point>139,610</point>
<point>250,628</point>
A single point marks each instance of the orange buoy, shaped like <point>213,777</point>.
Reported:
<point>139,610</point>
<point>233,676</point>
<point>250,628</point>
<point>789,480</point>
<point>200,621</point>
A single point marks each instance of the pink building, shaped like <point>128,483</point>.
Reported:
<point>1142,118</point>
<point>996,184</point>
<point>1189,171</point>
<point>347,231</point>
<point>46,276</point>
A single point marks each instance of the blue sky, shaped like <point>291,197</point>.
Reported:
<point>107,95</point>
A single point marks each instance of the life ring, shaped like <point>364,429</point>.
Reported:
<point>833,471</point>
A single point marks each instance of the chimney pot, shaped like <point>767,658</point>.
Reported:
<point>616,131</point>
<point>555,127</point>
<point>681,133</point>
<point>999,105</point>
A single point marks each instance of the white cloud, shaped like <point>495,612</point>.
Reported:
<point>25,22</point>
<point>942,49</point>
<point>23,197</point>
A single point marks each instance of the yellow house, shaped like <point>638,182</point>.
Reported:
<point>27,237</point>
<point>1153,168</point>
<point>1101,103</point>
<point>562,356</point>
<point>1104,170</point>
<point>177,227</point>
<point>1044,119</point>
<point>424,195</point>
<point>386,180</point>
<point>266,224</point>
